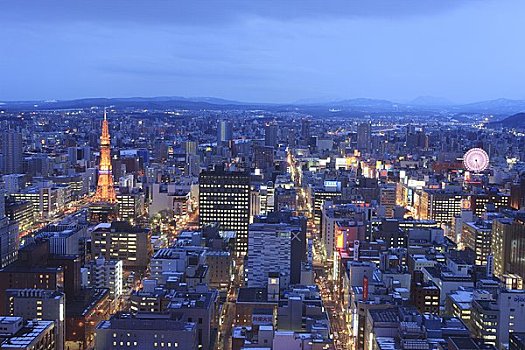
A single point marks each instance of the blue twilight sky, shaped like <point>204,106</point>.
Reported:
<point>262,50</point>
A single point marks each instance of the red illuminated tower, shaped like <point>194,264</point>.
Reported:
<point>105,190</point>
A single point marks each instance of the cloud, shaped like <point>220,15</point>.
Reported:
<point>214,12</point>
<point>261,50</point>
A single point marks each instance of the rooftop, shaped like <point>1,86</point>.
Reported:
<point>181,300</point>
<point>252,295</point>
<point>147,321</point>
<point>35,293</point>
<point>25,335</point>
<point>385,315</point>
<point>87,300</point>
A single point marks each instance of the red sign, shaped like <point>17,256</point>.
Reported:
<point>365,288</point>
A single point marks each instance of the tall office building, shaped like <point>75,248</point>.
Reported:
<point>2,203</point>
<point>146,331</point>
<point>508,235</point>
<point>477,236</point>
<point>305,129</point>
<point>224,131</point>
<point>40,304</point>
<point>11,149</point>
<point>493,320</point>
<point>190,147</point>
<point>193,165</point>
<point>440,205</point>
<point>269,251</point>
<point>517,194</point>
<point>263,157</point>
<point>14,183</point>
<point>79,155</point>
<point>105,190</point>
<point>270,135</point>
<point>106,274</point>
<point>224,197</point>
<point>130,205</point>
<point>387,199</point>
<point>121,241</point>
<point>9,239</point>
<point>364,137</point>
<point>298,242</point>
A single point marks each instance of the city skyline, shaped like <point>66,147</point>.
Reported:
<point>233,175</point>
<point>397,50</point>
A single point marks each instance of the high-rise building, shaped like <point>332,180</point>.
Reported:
<point>298,244</point>
<point>224,131</point>
<point>105,190</point>
<point>517,194</point>
<point>321,195</point>
<point>12,150</point>
<point>507,248</point>
<point>146,331</point>
<point>456,227</point>
<point>20,212</point>
<point>263,157</point>
<point>193,165</point>
<point>477,236</point>
<point>390,232</point>
<point>269,251</point>
<point>425,296</point>
<point>262,199</point>
<point>65,239</point>
<point>387,199</point>
<point>2,203</point>
<point>224,197</point>
<point>9,239</point>
<point>50,278</point>
<point>14,183</point>
<point>175,260</point>
<point>332,213</point>
<point>106,274</point>
<point>493,320</point>
<point>364,137</point>
<point>198,307</point>
<point>480,201</point>
<point>190,147</point>
<point>26,335</point>
<point>305,129</point>
<point>121,241</point>
<point>130,205</point>
<point>79,155</point>
<point>270,135</point>
<point>40,304</point>
<point>47,199</point>
<point>440,205</point>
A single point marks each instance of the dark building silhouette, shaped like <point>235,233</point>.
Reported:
<point>224,197</point>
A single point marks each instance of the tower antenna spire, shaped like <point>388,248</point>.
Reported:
<point>105,190</point>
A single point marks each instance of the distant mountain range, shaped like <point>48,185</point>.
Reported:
<point>431,101</point>
<point>514,121</point>
<point>136,102</point>
<point>499,107</point>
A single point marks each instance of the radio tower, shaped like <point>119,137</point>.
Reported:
<point>105,191</point>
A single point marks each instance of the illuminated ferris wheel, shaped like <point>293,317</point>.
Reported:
<point>476,160</point>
